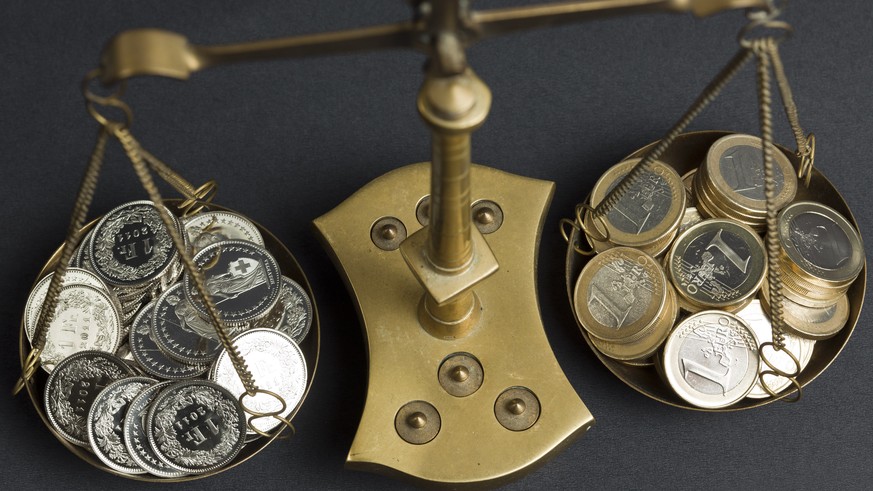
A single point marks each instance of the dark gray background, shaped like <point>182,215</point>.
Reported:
<point>288,141</point>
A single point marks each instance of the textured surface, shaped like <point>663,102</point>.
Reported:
<point>289,141</point>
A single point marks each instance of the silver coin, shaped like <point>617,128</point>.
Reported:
<point>74,276</point>
<point>181,332</point>
<point>196,426</point>
<point>210,227</point>
<point>105,423</point>
<point>134,432</point>
<point>711,359</point>
<point>242,278</point>
<point>276,364</point>
<point>72,387</point>
<point>758,321</point>
<point>79,260</point>
<point>85,319</point>
<point>293,314</point>
<point>150,357</point>
<point>130,245</point>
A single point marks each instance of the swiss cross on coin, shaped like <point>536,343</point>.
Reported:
<point>243,266</point>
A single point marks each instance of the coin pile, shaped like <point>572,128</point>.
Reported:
<point>730,184</point>
<point>691,299</point>
<point>137,373</point>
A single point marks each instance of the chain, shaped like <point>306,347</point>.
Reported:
<point>132,149</point>
<point>763,48</point>
<point>805,144</point>
<point>709,94</point>
<point>74,235</point>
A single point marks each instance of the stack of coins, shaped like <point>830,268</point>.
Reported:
<point>713,277</point>
<point>648,215</point>
<point>730,184</point>
<point>717,264</point>
<point>127,310</point>
<point>626,304</point>
<point>822,255</point>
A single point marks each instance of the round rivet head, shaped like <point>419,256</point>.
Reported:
<point>487,215</point>
<point>387,233</point>
<point>422,211</point>
<point>417,422</point>
<point>517,408</point>
<point>461,374</point>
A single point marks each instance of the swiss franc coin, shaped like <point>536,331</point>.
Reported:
<point>717,263</point>
<point>85,319</point>
<point>72,387</point>
<point>276,364</point>
<point>711,359</point>
<point>242,278</point>
<point>150,357</point>
<point>293,315</point>
<point>181,332</point>
<point>73,276</point>
<point>105,423</point>
<point>196,426</point>
<point>135,439</point>
<point>210,227</point>
<point>130,245</point>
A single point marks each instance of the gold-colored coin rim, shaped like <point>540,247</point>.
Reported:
<point>713,167</point>
<point>842,276</point>
<point>795,317</point>
<point>671,219</point>
<point>647,345</point>
<point>749,292</point>
<point>635,330</point>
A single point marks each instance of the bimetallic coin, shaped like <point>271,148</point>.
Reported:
<point>72,387</point>
<point>105,423</point>
<point>811,322</point>
<point>293,315</point>
<point>639,352</point>
<point>711,359</point>
<point>130,245</point>
<point>151,358</point>
<point>85,319</point>
<point>649,211</point>
<point>135,440</point>
<point>74,276</point>
<point>801,348</point>
<point>242,278</point>
<point>821,244</point>
<point>717,263</point>
<point>180,332</point>
<point>735,168</point>
<point>210,227</point>
<point>196,426</point>
<point>619,294</point>
<point>276,364</point>
<point>688,182</point>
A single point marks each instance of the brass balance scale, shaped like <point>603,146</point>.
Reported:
<point>452,399</point>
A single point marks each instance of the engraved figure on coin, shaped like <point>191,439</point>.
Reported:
<point>189,320</point>
<point>820,241</point>
<point>615,292</point>
<point>242,275</point>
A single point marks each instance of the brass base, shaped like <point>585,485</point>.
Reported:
<point>472,446</point>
